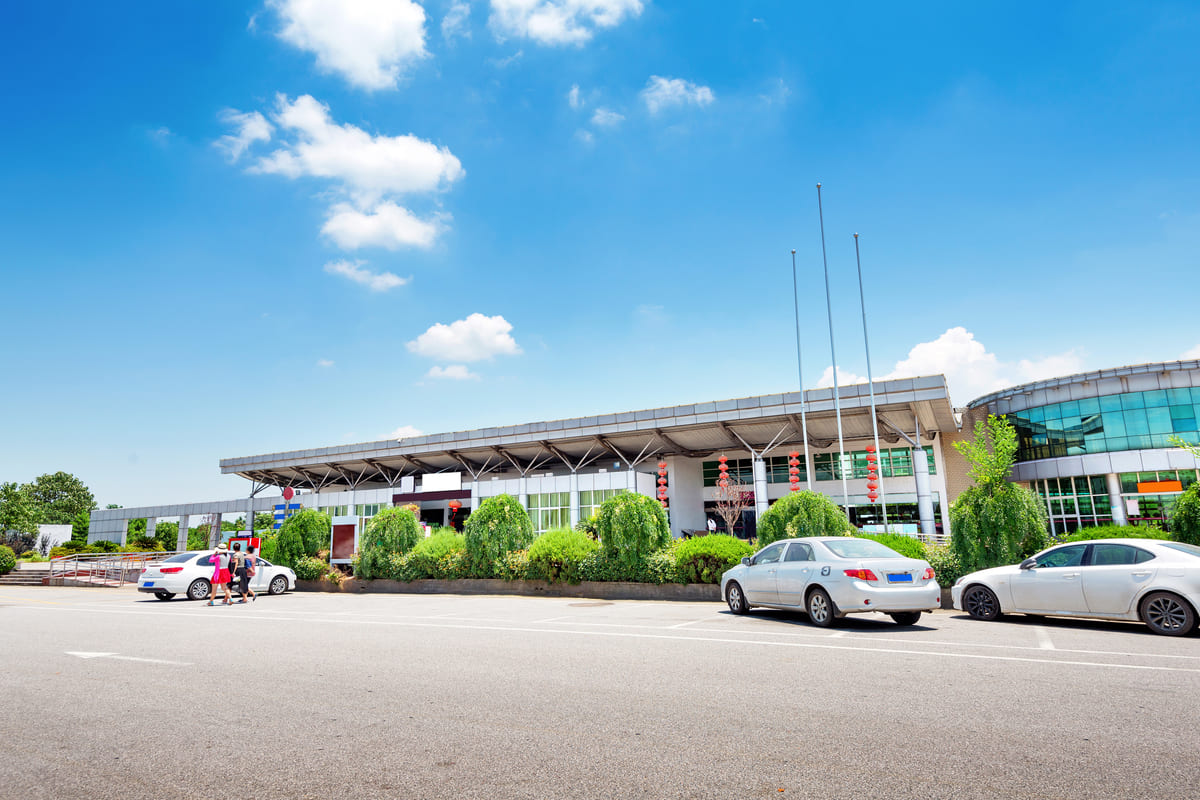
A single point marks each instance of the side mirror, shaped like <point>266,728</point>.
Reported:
<point>746,561</point>
<point>1029,563</point>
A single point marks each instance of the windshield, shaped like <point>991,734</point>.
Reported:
<point>180,557</point>
<point>1190,549</point>
<point>859,548</point>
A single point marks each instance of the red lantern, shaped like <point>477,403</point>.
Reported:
<point>871,496</point>
<point>870,448</point>
<point>872,485</point>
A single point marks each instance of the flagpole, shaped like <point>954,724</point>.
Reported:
<point>870,382</point>
<point>837,405</point>
<point>808,468</point>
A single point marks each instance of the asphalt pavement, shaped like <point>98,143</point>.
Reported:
<point>110,694</point>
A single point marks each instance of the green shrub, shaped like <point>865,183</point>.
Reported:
<point>802,514</point>
<point>453,566</point>
<point>400,568</point>
<point>947,569</point>
<point>904,545</point>
<point>8,559</point>
<point>557,555</point>
<point>102,546</point>
<point>631,526</point>
<point>426,558</point>
<point>1114,532</point>
<point>995,525</point>
<point>268,549</point>
<point>499,526</point>
<point>59,552</point>
<point>514,566</point>
<point>657,567</point>
<point>289,546</point>
<point>393,531</point>
<point>309,568</point>
<point>1185,516</point>
<point>312,527</point>
<point>142,544</point>
<point>704,559</point>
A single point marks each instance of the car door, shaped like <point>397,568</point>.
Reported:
<point>1054,584</point>
<point>262,572</point>
<point>1115,575</point>
<point>794,573</point>
<point>759,579</point>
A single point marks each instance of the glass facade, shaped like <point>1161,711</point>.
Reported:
<point>1083,502</point>
<point>550,511</point>
<point>590,502</point>
<point>895,463</point>
<point>1130,421</point>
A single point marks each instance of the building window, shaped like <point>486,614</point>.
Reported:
<point>894,463</point>
<point>740,469</point>
<point>1130,421</point>
<point>590,502</point>
<point>550,511</point>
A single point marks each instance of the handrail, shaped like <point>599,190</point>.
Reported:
<point>104,569</point>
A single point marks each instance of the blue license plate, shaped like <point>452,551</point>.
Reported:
<point>902,577</point>
<point>148,583</point>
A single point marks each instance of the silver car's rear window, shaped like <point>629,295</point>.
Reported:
<point>1190,549</point>
<point>180,557</point>
<point>859,548</point>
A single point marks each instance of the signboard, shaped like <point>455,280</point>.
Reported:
<point>1159,487</point>
<point>283,511</point>
<point>343,540</point>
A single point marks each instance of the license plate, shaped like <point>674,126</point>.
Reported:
<point>148,583</point>
<point>901,577</point>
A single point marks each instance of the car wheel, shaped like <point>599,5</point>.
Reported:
<point>278,585</point>
<point>981,603</point>
<point>199,590</point>
<point>906,617</point>
<point>820,609</point>
<point>737,598</point>
<point>164,595</point>
<point>1168,614</point>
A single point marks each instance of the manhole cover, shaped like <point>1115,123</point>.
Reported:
<point>590,605</point>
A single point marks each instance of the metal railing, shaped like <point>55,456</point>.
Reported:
<point>102,569</point>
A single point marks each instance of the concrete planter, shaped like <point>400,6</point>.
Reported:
<point>591,589</point>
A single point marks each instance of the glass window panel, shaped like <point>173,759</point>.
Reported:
<point>901,463</point>
<point>1053,411</point>
<point>1070,409</point>
<point>1196,394</point>
<point>1183,411</point>
<point>1110,402</point>
<point>1145,442</point>
<point>1089,406</point>
<point>1132,400</point>
<point>1085,504</point>
<point>1135,422</point>
<point>1114,424</point>
<point>1129,482</point>
<point>1178,397</point>
<point>1036,414</point>
<point>1155,399</point>
<point>1159,419</point>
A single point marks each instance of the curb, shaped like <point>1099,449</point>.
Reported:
<point>598,590</point>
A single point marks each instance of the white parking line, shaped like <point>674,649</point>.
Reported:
<point>1043,637</point>
<point>276,618</point>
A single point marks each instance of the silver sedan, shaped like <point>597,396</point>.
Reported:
<point>1152,580</point>
<point>830,577</point>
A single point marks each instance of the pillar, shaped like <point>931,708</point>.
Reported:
<point>214,534</point>
<point>151,524</point>
<point>759,467</point>
<point>523,492</point>
<point>1115,500</point>
<point>250,515</point>
<point>181,539</point>
<point>574,500</point>
<point>924,498</point>
<point>124,531</point>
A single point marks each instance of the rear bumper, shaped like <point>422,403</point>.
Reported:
<point>860,597</point>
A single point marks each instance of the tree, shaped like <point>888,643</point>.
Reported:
<point>631,527</point>
<point>994,522</point>
<point>802,514</point>
<point>59,497</point>
<point>1185,516</point>
<point>499,526</point>
<point>18,519</point>
<point>393,531</point>
<point>79,527</point>
<point>313,528</point>
<point>732,498</point>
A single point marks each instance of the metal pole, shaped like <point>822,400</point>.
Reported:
<point>808,468</point>
<point>870,381</point>
<point>837,405</point>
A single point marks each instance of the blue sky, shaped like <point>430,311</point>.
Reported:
<point>236,228</point>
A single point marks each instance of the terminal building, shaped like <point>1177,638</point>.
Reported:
<point>1093,446</point>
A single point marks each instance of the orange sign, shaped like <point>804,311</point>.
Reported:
<point>1159,487</point>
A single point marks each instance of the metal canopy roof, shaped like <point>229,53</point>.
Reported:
<point>768,424</point>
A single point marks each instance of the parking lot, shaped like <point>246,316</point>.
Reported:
<point>113,694</point>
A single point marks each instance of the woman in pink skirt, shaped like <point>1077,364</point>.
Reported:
<point>220,562</point>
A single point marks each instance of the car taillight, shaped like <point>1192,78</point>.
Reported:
<point>861,574</point>
<point>171,569</point>
<point>928,574</point>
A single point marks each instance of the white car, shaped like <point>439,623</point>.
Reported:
<point>830,577</point>
<point>1153,580</point>
<point>190,574</point>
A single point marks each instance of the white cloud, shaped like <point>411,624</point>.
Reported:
<point>456,372</point>
<point>386,225</point>
<point>605,118</point>
<point>472,339</point>
<point>405,432</point>
<point>507,61</point>
<point>454,24</point>
<point>367,166</point>
<point>367,42</point>
<point>971,370</point>
<point>559,22</point>
<point>663,92</point>
<point>375,281</point>
<point>160,136</point>
<point>251,127</point>
<point>1190,354</point>
<point>324,363</point>
<point>584,136</point>
<point>573,98</point>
